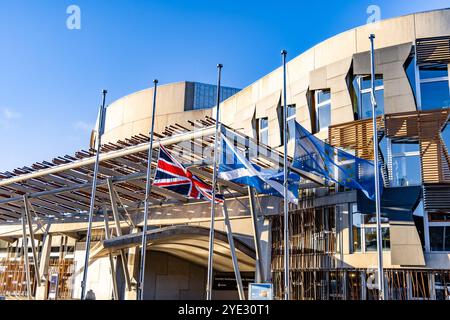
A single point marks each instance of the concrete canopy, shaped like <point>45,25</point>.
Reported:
<point>189,243</point>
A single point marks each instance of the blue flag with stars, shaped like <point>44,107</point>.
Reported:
<point>315,156</point>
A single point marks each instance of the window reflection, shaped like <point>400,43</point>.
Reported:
<point>405,164</point>
<point>263,130</point>
<point>364,231</point>
<point>205,95</point>
<point>362,86</point>
<point>434,86</point>
<point>371,239</point>
<point>291,114</point>
<point>323,109</point>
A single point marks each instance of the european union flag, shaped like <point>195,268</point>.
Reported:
<point>235,167</point>
<point>333,164</point>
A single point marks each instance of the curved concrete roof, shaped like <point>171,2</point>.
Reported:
<point>189,243</point>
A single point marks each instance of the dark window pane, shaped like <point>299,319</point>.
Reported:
<point>435,95</point>
<point>439,217</point>
<point>437,238</point>
<point>371,239</point>
<point>411,74</point>
<point>447,239</point>
<point>433,71</point>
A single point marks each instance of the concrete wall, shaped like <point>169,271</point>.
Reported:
<point>99,275</point>
<point>131,115</point>
<point>326,66</point>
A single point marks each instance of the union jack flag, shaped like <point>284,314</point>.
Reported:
<point>171,175</point>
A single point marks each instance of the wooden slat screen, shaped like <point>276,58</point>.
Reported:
<point>437,197</point>
<point>435,50</point>
<point>356,135</point>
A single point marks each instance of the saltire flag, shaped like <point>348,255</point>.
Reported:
<point>234,167</point>
<point>172,175</point>
<point>315,156</point>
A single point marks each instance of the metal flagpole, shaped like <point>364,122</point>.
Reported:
<point>148,189</point>
<point>101,124</point>
<point>209,280</point>
<point>287,283</point>
<point>377,173</point>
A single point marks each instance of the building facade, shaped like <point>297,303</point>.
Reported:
<point>333,233</point>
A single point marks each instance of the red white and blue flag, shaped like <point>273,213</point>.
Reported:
<point>172,175</point>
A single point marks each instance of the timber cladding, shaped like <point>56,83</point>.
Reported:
<point>422,126</point>
<point>426,127</point>
<point>355,135</point>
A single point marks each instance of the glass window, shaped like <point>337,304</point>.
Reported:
<point>362,86</point>
<point>405,164</point>
<point>291,111</point>
<point>205,95</point>
<point>432,71</point>
<point>434,86</point>
<point>445,134</point>
<point>356,228</point>
<point>371,239</point>
<point>435,95</point>
<point>323,109</point>
<point>263,128</point>
<point>440,238</point>
<point>364,232</point>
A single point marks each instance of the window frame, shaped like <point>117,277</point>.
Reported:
<point>427,225</point>
<point>362,231</point>
<point>420,81</point>
<point>262,130</point>
<point>321,105</point>
<point>391,156</point>
<point>360,92</point>
<point>292,117</point>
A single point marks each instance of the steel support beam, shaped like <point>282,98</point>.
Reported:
<point>234,259</point>
<point>260,274</point>
<point>25,255</point>
<point>111,260</point>
<point>33,245</point>
<point>116,216</point>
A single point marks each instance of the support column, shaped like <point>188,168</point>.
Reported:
<point>265,239</point>
<point>237,272</point>
<point>32,239</point>
<point>133,268</point>
<point>111,258</point>
<point>42,289</point>
<point>25,255</point>
<point>116,216</point>
<point>259,274</point>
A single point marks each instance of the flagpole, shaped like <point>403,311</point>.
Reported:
<point>287,284</point>
<point>148,189</point>
<point>209,281</point>
<point>101,123</point>
<point>377,173</point>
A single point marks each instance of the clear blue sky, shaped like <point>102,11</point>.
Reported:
<point>51,77</point>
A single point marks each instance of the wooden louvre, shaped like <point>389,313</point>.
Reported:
<point>355,135</point>
<point>433,50</point>
<point>437,197</point>
<point>426,127</point>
